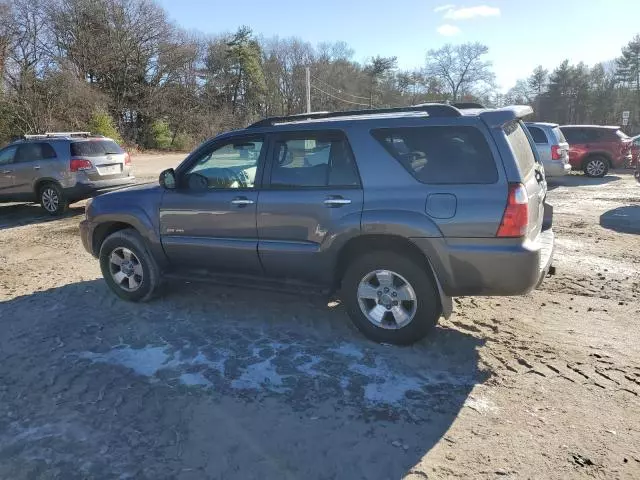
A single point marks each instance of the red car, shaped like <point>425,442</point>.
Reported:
<point>595,149</point>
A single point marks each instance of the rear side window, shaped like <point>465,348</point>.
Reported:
<point>441,155</point>
<point>537,134</point>
<point>33,152</point>
<point>573,135</point>
<point>520,146</point>
<point>314,161</point>
<point>95,148</point>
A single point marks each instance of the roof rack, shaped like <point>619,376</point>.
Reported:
<point>432,109</point>
<point>467,105</point>
<point>59,134</point>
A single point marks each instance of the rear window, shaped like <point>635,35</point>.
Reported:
<point>441,155</point>
<point>621,134</point>
<point>537,134</point>
<point>95,148</point>
<point>520,145</point>
<point>559,135</point>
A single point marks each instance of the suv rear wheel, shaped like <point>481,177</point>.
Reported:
<point>389,298</point>
<point>128,268</point>
<point>596,167</point>
<point>52,199</point>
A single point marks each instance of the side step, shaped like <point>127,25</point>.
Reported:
<point>252,282</point>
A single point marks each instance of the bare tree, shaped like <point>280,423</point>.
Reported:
<point>460,68</point>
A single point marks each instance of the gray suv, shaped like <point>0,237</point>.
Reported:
<point>398,210</point>
<point>56,169</point>
<point>552,147</point>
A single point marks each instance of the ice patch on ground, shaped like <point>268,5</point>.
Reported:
<point>278,368</point>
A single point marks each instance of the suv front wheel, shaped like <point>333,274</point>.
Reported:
<point>390,298</point>
<point>128,268</point>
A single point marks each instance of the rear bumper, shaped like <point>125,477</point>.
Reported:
<point>491,266</point>
<point>556,169</point>
<point>82,190</point>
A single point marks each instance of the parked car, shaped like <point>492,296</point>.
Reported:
<point>635,150</point>
<point>553,149</point>
<point>595,149</point>
<point>57,169</point>
<point>396,209</point>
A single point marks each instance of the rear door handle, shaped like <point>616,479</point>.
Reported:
<point>242,201</point>
<point>334,202</point>
<point>36,167</point>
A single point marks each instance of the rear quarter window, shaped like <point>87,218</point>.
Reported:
<point>441,154</point>
<point>520,146</point>
<point>95,148</point>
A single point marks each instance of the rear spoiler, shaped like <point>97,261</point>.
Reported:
<point>500,116</point>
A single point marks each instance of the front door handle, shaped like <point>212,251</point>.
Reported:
<point>334,202</point>
<point>242,201</point>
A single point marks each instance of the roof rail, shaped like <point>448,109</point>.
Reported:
<point>58,134</point>
<point>432,109</point>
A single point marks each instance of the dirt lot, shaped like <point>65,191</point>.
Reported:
<point>216,383</point>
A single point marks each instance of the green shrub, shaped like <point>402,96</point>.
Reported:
<point>101,123</point>
<point>183,142</point>
<point>161,135</point>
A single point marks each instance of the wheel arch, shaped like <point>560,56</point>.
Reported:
<point>363,244</point>
<point>105,229</point>
<point>41,182</point>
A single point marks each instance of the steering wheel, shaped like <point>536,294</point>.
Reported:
<point>236,176</point>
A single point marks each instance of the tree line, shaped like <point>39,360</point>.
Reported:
<point>122,68</point>
<point>579,94</point>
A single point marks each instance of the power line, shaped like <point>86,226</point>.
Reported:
<point>338,98</point>
<point>338,90</point>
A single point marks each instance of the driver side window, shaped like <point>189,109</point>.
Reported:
<point>233,165</point>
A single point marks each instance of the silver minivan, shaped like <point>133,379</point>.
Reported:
<point>57,169</point>
<point>552,147</point>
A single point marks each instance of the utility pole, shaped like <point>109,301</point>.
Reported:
<point>308,72</point>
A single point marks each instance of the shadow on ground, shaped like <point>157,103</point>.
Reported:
<point>622,219</point>
<point>18,214</point>
<point>579,180</point>
<point>210,382</point>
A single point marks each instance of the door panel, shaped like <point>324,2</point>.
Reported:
<point>210,230</point>
<point>296,229</point>
<point>209,221</point>
<point>6,170</point>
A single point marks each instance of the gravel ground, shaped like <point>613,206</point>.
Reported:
<point>214,383</point>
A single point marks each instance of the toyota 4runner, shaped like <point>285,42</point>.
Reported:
<point>398,210</point>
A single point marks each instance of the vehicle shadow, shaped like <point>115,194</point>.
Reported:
<point>18,214</point>
<point>220,382</point>
<point>622,219</point>
<point>579,180</point>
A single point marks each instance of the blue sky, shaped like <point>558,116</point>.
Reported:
<point>520,34</point>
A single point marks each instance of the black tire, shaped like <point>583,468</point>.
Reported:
<point>52,199</point>
<point>596,167</point>
<point>428,309</point>
<point>131,240</point>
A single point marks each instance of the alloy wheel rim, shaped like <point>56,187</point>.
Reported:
<point>596,167</point>
<point>50,200</point>
<point>387,299</point>
<point>125,269</point>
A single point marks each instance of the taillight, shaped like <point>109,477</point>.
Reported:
<point>515,219</point>
<point>80,164</point>
<point>555,152</point>
<point>127,158</point>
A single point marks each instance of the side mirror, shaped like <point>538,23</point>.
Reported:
<point>168,179</point>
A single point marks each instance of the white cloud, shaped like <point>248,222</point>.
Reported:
<point>448,30</point>
<point>471,12</point>
<point>442,8</point>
